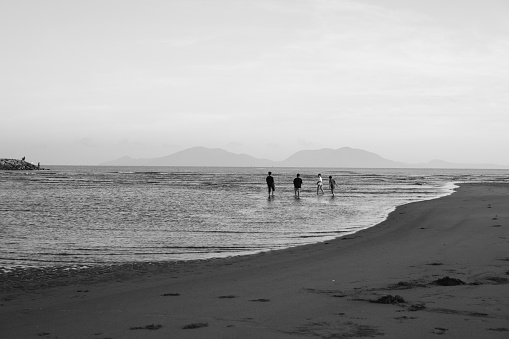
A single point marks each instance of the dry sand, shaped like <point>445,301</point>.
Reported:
<point>324,290</point>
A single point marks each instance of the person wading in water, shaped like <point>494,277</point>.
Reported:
<point>270,184</point>
<point>332,184</point>
<point>319,184</point>
<point>297,184</point>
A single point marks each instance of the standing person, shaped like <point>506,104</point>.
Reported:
<point>270,184</point>
<point>332,184</point>
<point>297,184</point>
<point>319,184</point>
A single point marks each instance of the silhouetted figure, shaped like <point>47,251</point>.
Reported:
<point>270,183</point>
<point>332,184</point>
<point>319,184</point>
<point>297,184</point>
<point>23,158</point>
<point>38,165</point>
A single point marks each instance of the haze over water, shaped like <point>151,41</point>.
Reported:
<point>97,215</point>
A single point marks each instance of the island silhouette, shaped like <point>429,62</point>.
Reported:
<point>345,157</point>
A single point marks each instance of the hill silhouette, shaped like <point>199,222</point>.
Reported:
<point>345,157</point>
<point>196,156</point>
<point>342,157</point>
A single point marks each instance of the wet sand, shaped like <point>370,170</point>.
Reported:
<point>433,268</point>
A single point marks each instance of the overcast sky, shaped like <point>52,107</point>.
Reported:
<point>82,82</point>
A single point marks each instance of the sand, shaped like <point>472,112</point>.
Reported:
<point>326,290</point>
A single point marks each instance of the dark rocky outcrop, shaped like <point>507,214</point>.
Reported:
<point>15,164</point>
<point>446,281</point>
<point>389,299</point>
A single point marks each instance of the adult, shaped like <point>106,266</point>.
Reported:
<point>270,183</point>
<point>297,184</point>
<point>319,184</point>
<point>332,184</point>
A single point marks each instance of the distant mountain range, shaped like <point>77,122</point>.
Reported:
<point>344,157</point>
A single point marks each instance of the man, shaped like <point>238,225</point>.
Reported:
<point>297,184</point>
<point>270,184</point>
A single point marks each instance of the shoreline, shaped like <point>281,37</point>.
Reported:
<point>32,277</point>
<point>9,271</point>
<point>322,290</point>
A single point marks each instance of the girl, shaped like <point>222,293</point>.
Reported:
<point>319,184</point>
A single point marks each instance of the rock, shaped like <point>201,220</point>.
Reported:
<point>416,307</point>
<point>389,299</point>
<point>15,164</point>
<point>446,281</point>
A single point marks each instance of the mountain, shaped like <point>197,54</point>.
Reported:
<point>345,157</point>
<point>342,157</point>
<point>196,156</point>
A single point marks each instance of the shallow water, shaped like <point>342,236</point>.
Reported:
<point>94,215</point>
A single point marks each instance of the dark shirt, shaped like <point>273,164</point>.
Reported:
<point>270,180</point>
<point>297,182</point>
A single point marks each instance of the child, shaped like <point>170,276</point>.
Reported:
<point>332,184</point>
<point>319,184</point>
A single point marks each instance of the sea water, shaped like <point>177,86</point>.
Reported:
<point>104,215</point>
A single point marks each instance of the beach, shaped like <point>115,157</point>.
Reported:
<point>433,268</point>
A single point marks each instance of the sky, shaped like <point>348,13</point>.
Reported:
<point>83,82</point>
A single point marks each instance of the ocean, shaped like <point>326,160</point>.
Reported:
<point>96,215</point>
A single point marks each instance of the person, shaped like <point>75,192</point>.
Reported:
<point>270,184</point>
<point>297,184</point>
<point>319,184</point>
<point>332,184</point>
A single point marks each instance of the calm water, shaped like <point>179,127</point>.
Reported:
<point>95,215</point>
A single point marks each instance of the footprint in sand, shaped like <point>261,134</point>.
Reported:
<point>194,326</point>
<point>439,330</point>
<point>170,295</point>
<point>147,327</point>
<point>499,329</point>
<point>405,318</point>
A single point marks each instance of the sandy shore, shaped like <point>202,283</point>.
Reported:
<point>327,290</point>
